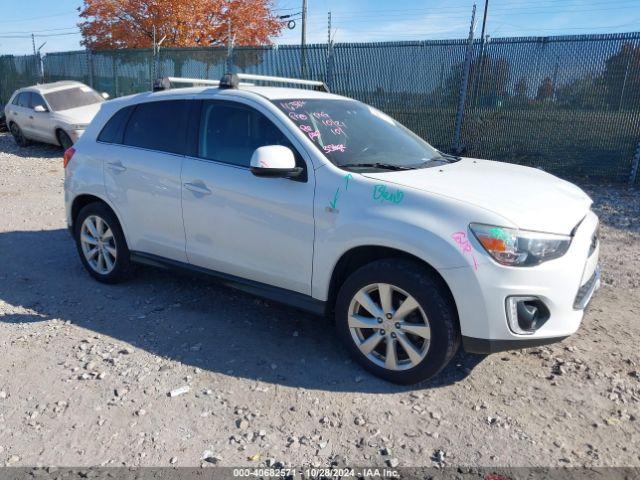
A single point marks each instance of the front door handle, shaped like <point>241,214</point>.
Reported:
<point>116,167</point>
<point>197,188</point>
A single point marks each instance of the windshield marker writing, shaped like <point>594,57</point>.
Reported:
<point>334,148</point>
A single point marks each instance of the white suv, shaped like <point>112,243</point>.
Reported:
<point>329,205</point>
<point>55,113</point>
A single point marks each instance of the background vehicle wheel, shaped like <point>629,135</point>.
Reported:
<point>18,136</point>
<point>64,139</point>
<point>101,244</point>
<point>397,321</point>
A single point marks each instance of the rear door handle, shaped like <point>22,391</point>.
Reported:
<point>197,188</point>
<point>31,117</point>
<point>116,167</point>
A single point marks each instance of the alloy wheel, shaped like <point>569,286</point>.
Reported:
<point>389,327</point>
<point>98,244</point>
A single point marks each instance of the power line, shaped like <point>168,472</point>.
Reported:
<point>37,18</point>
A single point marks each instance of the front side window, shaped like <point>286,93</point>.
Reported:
<point>230,133</point>
<point>72,98</point>
<point>37,100</point>
<point>158,126</point>
<point>351,134</point>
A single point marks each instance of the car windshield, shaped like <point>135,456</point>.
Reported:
<point>72,98</point>
<point>354,135</point>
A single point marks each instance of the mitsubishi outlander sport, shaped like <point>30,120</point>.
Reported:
<point>327,204</point>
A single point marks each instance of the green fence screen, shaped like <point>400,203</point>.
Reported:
<point>567,104</point>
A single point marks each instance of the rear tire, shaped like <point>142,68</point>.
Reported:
<point>18,136</point>
<point>413,327</point>
<point>64,139</point>
<point>101,244</point>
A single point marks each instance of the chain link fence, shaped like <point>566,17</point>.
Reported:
<point>567,104</point>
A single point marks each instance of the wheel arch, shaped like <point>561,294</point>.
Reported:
<point>56,131</point>
<point>357,257</point>
<point>84,199</point>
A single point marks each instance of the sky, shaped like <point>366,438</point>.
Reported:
<point>54,21</point>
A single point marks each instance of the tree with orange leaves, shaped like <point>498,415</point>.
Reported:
<point>111,24</point>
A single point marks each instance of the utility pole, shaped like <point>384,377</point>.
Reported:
<point>484,20</point>
<point>35,53</point>
<point>481,56</point>
<point>229,48</point>
<point>303,40</point>
<point>329,28</point>
<point>465,84</point>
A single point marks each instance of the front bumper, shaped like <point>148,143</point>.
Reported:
<point>565,285</point>
<point>75,135</point>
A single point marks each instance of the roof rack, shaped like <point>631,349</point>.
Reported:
<point>232,80</point>
<point>295,81</point>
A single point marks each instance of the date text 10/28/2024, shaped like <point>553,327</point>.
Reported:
<point>313,473</point>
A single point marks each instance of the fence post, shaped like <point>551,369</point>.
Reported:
<point>329,68</point>
<point>464,85</point>
<point>90,67</point>
<point>634,166</point>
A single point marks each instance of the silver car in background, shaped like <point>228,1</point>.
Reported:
<point>55,113</point>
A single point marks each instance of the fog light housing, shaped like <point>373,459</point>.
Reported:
<point>525,315</point>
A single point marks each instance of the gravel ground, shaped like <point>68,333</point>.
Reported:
<point>88,369</point>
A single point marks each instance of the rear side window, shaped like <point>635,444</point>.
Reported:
<point>114,129</point>
<point>158,126</point>
<point>23,100</point>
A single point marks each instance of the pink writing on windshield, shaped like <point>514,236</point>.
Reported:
<point>310,131</point>
<point>293,104</point>
<point>333,123</point>
<point>334,148</point>
<point>337,131</point>
<point>320,114</point>
<point>298,116</point>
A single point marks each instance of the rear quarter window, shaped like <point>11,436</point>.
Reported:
<point>113,130</point>
<point>23,100</point>
<point>158,126</point>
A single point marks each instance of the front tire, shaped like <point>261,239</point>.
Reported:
<point>101,243</point>
<point>64,140</point>
<point>397,320</point>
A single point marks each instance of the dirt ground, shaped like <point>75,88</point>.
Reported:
<point>86,369</point>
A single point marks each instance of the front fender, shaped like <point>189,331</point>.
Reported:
<point>352,211</point>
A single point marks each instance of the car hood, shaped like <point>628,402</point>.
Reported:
<point>528,197</point>
<point>79,115</point>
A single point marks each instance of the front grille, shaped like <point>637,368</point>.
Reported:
<point>586,290</point>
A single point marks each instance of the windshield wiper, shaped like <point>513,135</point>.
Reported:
<point>382,166</point>
<point>450,157</point>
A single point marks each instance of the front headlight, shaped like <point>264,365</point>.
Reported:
<point>520,248</point>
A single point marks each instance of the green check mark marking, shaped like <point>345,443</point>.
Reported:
<point>335,198</point>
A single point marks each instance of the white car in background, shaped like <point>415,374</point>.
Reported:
<point>327,204</point>
<point>55,113</point>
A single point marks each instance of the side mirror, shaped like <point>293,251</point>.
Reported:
<point>105,95</point>
<point>274,161</point>
<point>40,109</point>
